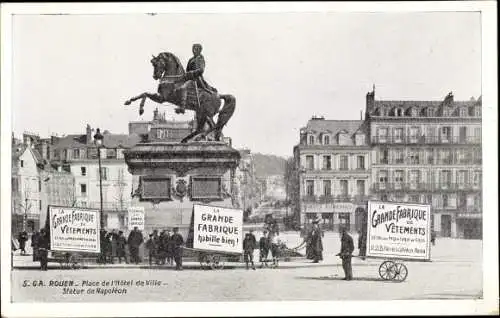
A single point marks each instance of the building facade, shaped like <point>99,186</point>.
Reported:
<point>332,159</point>
<point>246,186</point>
<point>429,152</point>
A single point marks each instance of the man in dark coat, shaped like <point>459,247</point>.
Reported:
<point>43,249</point>
<point>362,244</point>
<point>194,71</point>
<point>346,249</point>
<point>22,238</point>
<point>264,246</point>
<point>317,243</point>
<point>120,247</point>
<point>135,239</point>
<point>178,241</point>
<point>34,244</point>
<point>249,244</point>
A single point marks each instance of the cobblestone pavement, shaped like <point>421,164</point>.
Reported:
<point>454,273</point>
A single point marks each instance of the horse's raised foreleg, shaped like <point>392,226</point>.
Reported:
<point>154,97</point>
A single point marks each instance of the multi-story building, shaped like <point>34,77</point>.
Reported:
<point>429,152</point>
<point>78,154</point>
<point>333,158</point>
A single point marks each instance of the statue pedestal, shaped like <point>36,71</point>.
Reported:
<point>169,177</point>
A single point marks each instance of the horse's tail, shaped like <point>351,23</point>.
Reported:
<point>227,110</point>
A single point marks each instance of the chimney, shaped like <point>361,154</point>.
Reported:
<point>89,134</point>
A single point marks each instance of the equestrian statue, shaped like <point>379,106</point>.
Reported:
<point>189,90</point>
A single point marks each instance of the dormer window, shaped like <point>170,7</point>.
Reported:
<point>477,111</point>
<point>430,112</point>
<point>463,111</point>
<point>400,112</point>
<point>311,140</point>
<point>326,140</point>
<point>413,112</point>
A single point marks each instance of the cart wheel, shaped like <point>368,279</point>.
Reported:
<point>74,261</point>
<point>216,262</point>
<point>386,270</point>
<point>400,272</point>
<point>204,261</point>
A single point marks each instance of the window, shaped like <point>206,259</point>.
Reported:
<point>360,139</point>
<point>326,140</point>
<point>430,132</point>
<point>445,178</point>
<point>382,176</point>
<point>83,171</point>
<point>414,156</point>
<point>414,112</point>
<point>160,133</point>
<point>22,163</point>
<point>398,176</point>
<point>384,156</point>
<point>343,163</point>
<point>462,199</point>
<point>76,153</point>
<point>104,173</point>
<point>414,134</point>
<point>414,177</point>
<point>40,205</point>
<point>430,112</point>
<point>327,162</point>
<point>398,135</point>
<point>360,187</point>
<point>478,157</point>
<point>83,189</point>
<point>310,188</point>
<point>111,153</point>
<point>445,156</point>
<point>463,112</point>
<point>399,155</point>
<point>414,198</point>
<point>311,140</point>
<point>446,202</point>
<point>327,188</point>
<point>477,111</point>
<point>477,134</point>
<point>445,134</point>
<point>92,153</point>
<point>361,162</point>
<point>477,178</point>
<point>344,191</point>
<point>428,199</point>
<point>310,162</point>
<point>83,204</point>
<point>382,134</point>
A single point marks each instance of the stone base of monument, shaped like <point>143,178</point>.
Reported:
<point>170,177</point>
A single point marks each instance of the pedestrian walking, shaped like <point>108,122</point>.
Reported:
<point>346,249</point>
<point>249,244</point>
<point>35,244</point>
<point>22,238</point>
<point>362,244</point>
<point>275,247</point>
<point>309,243</point>
<point>316,242</point>
<point>121,242</point>
<point>178,241</point>
<point>43,249</point>
<point>151,246</point>
<point>264,245</point>
<point>170,249</point>
<point>135,239</point>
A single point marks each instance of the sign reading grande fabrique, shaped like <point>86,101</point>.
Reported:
<point>74,229</point>
<point>136,217</point>
<point>218,229</point>
<point>398,230</point>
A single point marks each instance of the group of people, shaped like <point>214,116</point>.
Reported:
<point>270,241</point>
<point>165,248</point>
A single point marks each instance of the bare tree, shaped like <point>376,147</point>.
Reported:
<point>23,204</point>
<point>120,196</point>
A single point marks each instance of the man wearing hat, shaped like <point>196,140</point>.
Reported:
<point>178,241</point>
<point>316,242</point>
<point>121,241</point>
<point>346,249</point>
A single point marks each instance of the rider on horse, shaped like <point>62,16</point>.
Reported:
<point>194,71</point>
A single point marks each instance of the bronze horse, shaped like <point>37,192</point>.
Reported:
<point>169,70</point>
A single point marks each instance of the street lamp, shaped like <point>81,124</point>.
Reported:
<point>98,137</point>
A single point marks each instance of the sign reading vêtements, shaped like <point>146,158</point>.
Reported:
<point>136,217</point>
<point>398,230</point>
<point>218,229</point>
<point>74,229</point>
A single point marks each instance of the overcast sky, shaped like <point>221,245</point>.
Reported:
<point>70,70</point>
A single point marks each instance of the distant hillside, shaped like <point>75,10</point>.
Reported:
<point>266,165</point>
